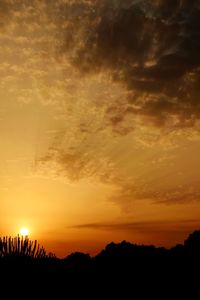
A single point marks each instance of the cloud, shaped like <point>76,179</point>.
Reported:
<point>150,47</point>
<point>109,69</point>
<point>145,227</point>
<point>168,194</point>
<point>5,10</point>
<point>165,233</point>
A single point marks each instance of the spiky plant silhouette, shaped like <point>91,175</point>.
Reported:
<point>21,247</point>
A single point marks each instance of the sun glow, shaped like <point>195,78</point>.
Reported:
<point>24,231</point>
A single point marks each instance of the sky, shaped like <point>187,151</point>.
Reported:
<point>99,121</point>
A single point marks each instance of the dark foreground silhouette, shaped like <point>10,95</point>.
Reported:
<point>120,271</point>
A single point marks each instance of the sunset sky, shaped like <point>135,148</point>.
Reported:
<point>99,121</point>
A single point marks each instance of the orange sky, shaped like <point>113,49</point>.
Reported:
<point>99,135</point>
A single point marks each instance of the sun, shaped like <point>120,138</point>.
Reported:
<point>24,231</point>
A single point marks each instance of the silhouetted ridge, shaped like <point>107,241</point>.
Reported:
<point>124,268</point>
<point>192,244</point>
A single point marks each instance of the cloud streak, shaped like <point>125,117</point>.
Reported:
<point>133,225</point>
<point>159,230</point>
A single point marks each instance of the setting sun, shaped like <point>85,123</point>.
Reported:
<point>24,231</point>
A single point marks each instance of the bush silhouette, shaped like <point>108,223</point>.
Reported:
<point>21,247</point>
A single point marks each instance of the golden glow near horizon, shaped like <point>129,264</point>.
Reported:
<point>90,153</point>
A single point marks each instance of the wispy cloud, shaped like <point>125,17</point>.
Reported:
<point>142,227</point>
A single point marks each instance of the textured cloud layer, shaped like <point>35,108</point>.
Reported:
<point>109,69</point>
<point>151,47</point>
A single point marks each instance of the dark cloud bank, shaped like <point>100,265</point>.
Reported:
<point>151,47</point>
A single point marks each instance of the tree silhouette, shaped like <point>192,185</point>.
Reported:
<point>192,243</point>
